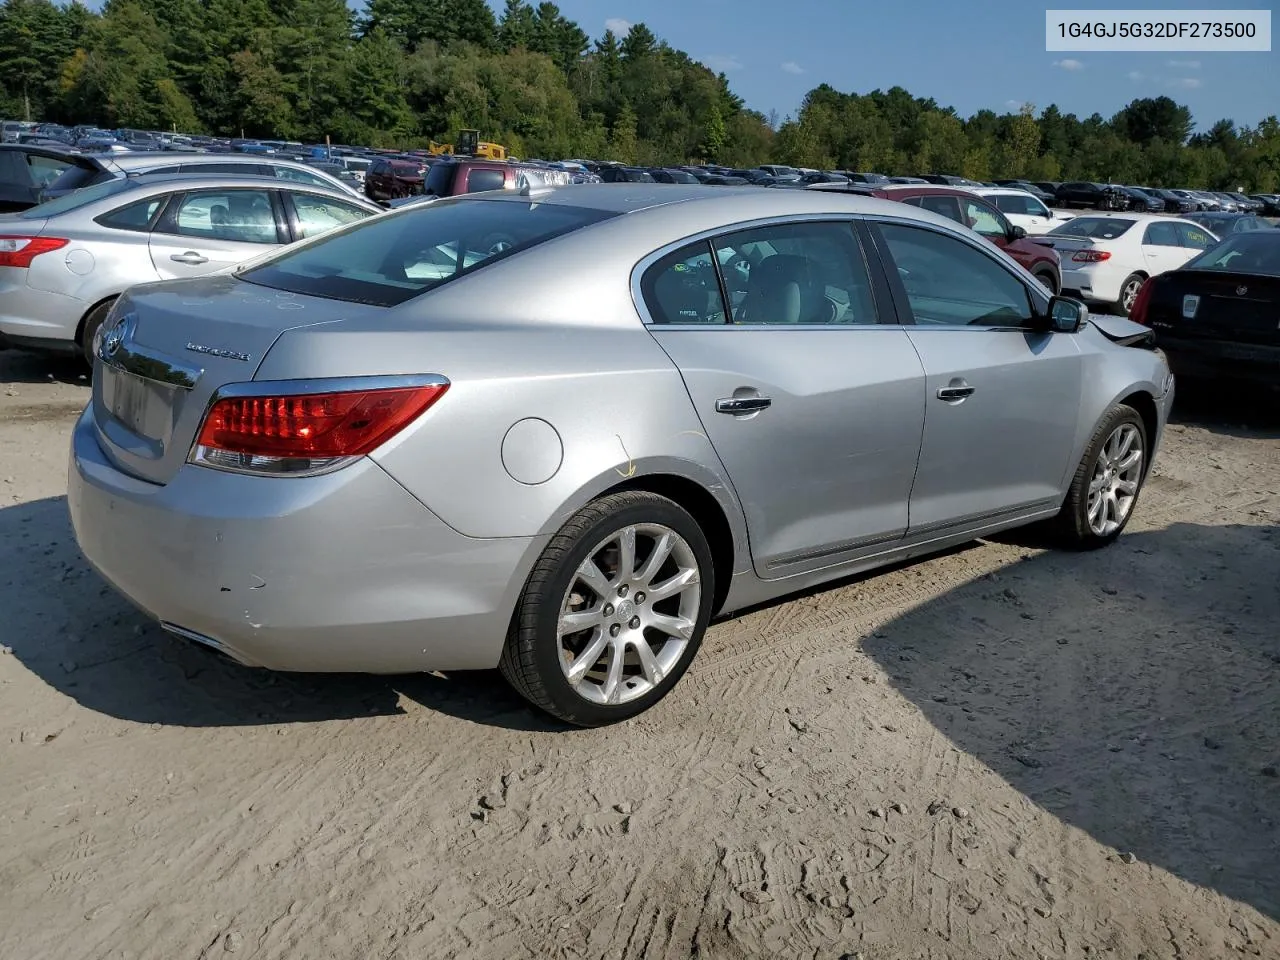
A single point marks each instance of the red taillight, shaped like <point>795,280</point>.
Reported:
<point>306,432</point>
<point>1138,312</point>
<point>20,251</point>
<point>1091,256</point>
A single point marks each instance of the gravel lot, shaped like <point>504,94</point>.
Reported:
<point>1004,752</point>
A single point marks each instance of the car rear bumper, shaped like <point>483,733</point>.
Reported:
<point>1256,364</point>
<point>1091,283</point>
<point>36,318</point>
<point>343,572</point>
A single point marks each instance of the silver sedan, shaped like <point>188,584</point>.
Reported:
<point>63,263</point>
<point>557,432</point>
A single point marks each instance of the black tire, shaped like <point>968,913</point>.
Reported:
<point>1134,280</point>
<point>1047,280</point>
<point>1072,523</point>
<point>531,657</point>
<point>92,323</point>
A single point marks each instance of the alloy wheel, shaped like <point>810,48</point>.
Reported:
<point>1130,295</point>
<point>629,613</point>
<point>1117,473</point>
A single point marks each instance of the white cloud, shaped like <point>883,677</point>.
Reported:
<point>1185,64</point>
<point>722,64</point>
<point>619,26</point>
<point>1136,75</point>
<point>1013,104</point>
<point>1068,64</point>
<point>1186,83</point>
<point>792,67</point>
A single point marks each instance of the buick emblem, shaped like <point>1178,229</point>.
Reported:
<point>1241,291</point>
<point>115,338</point>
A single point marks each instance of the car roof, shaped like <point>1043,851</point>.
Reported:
<point>999,192</point>
<point>142,158</point>
<point>190,181</point>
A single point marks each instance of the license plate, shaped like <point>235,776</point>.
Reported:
<point>142,406</point>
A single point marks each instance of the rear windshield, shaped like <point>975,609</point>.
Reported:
<point>391,258</point>
<point>439,181</point>
<point>78,199</point>
<point>1096,228</point>
<point>1256,253</point>
<point>76,176</point>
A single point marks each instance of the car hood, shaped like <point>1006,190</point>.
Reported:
<point>1122,330</point>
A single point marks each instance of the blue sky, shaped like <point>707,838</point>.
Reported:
<point>967,55</point>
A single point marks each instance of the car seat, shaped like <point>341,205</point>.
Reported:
<point>784,289</point>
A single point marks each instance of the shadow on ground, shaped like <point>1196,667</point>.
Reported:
<point>17,366</point>
<point>1227,408</point>
<point>1133,692</point>
<point>79,636</point>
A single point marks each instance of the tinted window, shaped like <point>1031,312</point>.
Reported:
<point>984,220</point>
<point>238,215</point>
<point>45,170</point>
<point>1257,253</point>
<point>74,177</point>
<point>388,259</point>
<point>948,207</point>
<point>683,287</point>
<point>439,182</point>
<point>318,214</point>
<point>1194,236</point>
<point>949,282</point>
<point>135,216</point>
<point>479,180</point>
<point>1096,228</point>
<point>1161,234</point>
<point>798,273</point>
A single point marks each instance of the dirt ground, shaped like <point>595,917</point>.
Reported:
<point>1004,752</point>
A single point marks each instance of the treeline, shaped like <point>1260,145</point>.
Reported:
<point>406,71</point>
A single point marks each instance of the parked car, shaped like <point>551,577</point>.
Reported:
<point>1081,193</point>
<point>1270,203</point>
<point>1215,317</point>
<point>1107,256</point>
<point>64,262</point>
<point>98,168</point>
<point>620,174</point>
<point>1175,203</point>
<point>454,177</point>
<point>947,180</point>
<point>1143,201</point>
<point>823,176</point>
<point>294,459</point>
<point>856,177</point>
<point>394,178</point>
<point>1026,187</point>
<point>779,171</point>
<point>1208,201</point>
<point>1022,209</point>
<point>27,169</point>
<point>1224,224</point>
<point>968,208</point>
<point>671,175</point>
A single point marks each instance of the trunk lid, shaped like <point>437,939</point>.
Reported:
<point>174,345</point>
<point>1065,244</point>
<point>1241,307</point>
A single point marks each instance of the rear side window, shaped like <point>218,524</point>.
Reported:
<point>45,170</point>
<point>391,258</point>
<point>74,177</point>
<point>683,287</point>
<point>948,207</point>
<point>1161,234</point>
<point>439,181</point>
<point>136,216</point>
<point>243,216</point>
<point>480,180</point>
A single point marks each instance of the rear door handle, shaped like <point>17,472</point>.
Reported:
<point>740,405</point>
<point>952,394</point>
<point>190,257</point>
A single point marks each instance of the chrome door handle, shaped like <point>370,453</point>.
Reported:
<point>952,394</point>
<point>190,257</point>
<point>740,405</point>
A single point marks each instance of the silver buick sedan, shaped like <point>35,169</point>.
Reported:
<point>557,431</point>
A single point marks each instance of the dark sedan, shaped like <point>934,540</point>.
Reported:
<point>1225,224</point>
<point>1215,317</point>
<point>1081,193</point>
<point>672,175</point>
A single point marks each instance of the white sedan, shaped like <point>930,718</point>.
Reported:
<point>1023,209</point>
<point>1107,256</point>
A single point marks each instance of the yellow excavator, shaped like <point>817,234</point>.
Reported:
<point>469,145</point>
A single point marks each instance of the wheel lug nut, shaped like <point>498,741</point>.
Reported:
<point>615,630</point>
<point>622,590</point>
<point>608,609</point>
<point>635,623</point>
<point>639,598</point>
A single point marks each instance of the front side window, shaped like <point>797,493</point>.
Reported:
<point>948,282</point>
<point>388,259</point>
<point>984,220</point>
<point>243,216</point>
<point>683,287</point>
<point>796,273</point>
<point>318,214</point>
<point>1194,237</point>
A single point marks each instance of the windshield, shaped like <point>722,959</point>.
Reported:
<point>1095,228</point>
<point>1255,253</point>
<point>392,258</point>
<point>79,198</point>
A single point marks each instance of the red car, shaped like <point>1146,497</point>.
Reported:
<point>393,178</point>
<point>958,204</point>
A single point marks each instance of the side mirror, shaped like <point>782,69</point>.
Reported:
<point>1065,315</point>
<point>1016,233</point>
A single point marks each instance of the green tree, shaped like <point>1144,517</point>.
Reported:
<point>1153,119</point>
